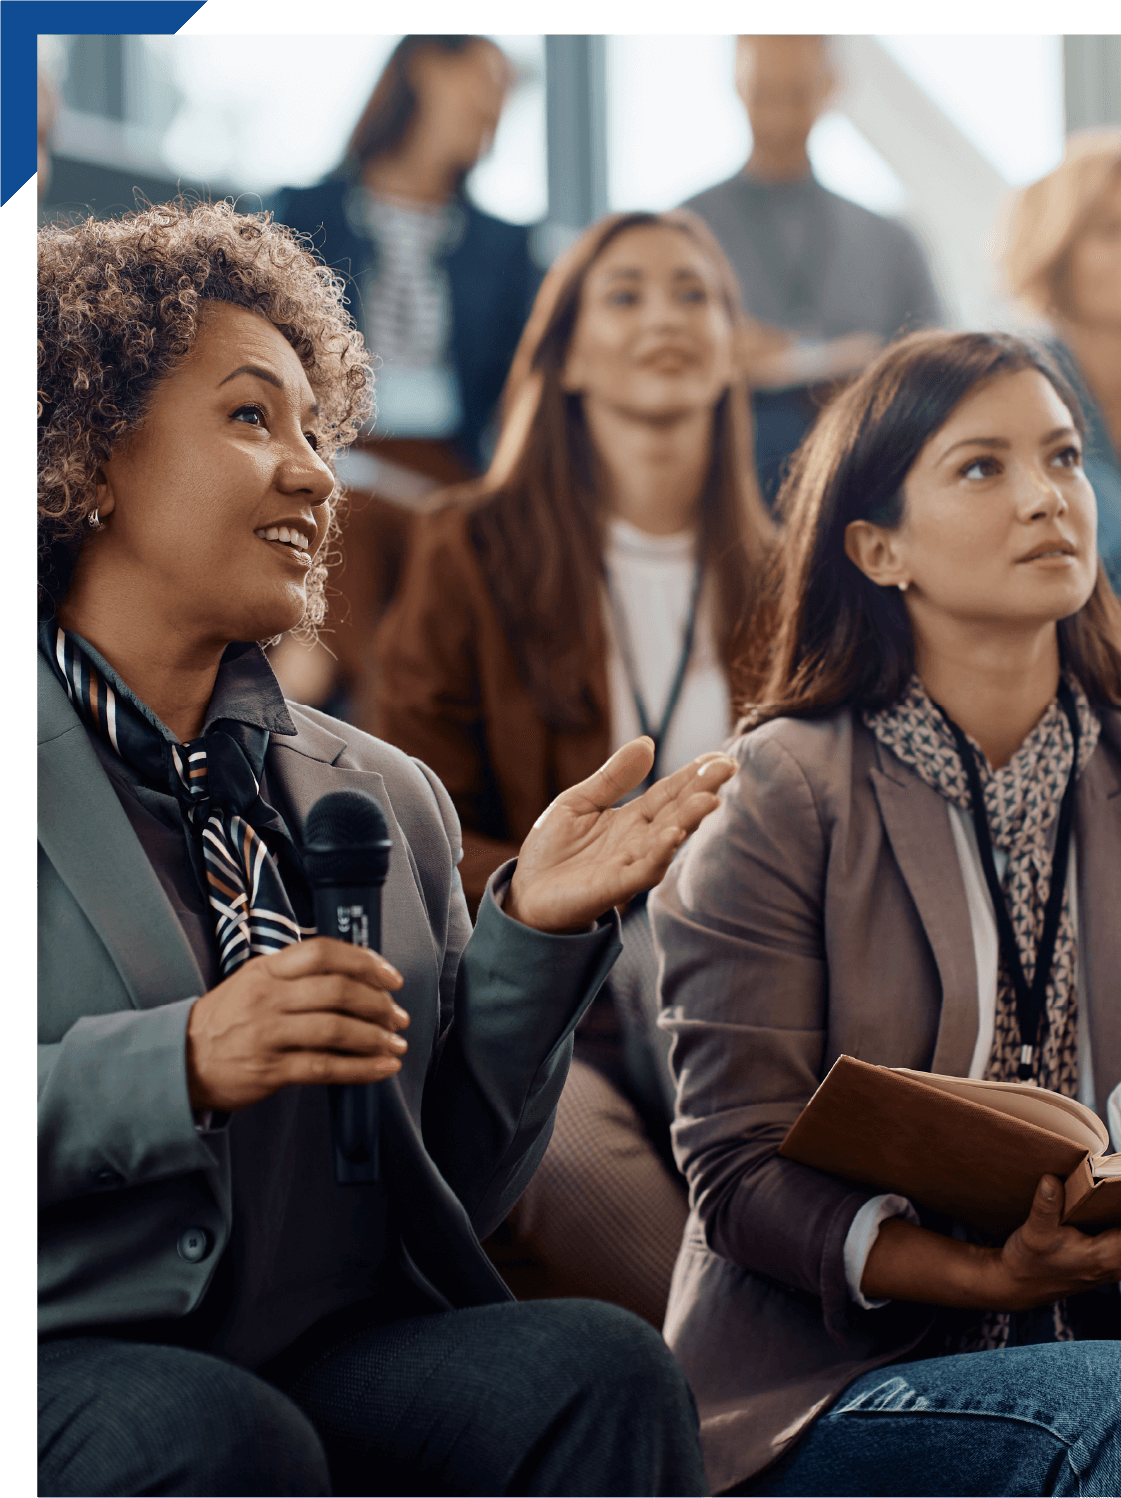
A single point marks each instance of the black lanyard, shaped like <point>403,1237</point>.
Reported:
<point>622,634</point>
<point>1029,1002</point>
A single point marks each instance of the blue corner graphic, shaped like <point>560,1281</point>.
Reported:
<point>21,22</point>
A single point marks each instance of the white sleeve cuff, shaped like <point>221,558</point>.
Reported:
<point>861,1236</point>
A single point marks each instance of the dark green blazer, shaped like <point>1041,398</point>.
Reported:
<point>123,1171</point>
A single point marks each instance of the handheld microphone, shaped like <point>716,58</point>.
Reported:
<point>346,854</point>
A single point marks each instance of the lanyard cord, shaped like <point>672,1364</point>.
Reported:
<point>1029,1002</point>
<point>623,636</point>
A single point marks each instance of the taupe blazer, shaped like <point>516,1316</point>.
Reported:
<point>820,910</point>
<point>123,1171</point>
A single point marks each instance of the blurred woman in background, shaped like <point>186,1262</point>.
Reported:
<point>1063,258</point>
<point>597,583</point>
<point>443,290</point>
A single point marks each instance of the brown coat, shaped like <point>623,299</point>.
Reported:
<point>822,910</point>
<point>450,694</point>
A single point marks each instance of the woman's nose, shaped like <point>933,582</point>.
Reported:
<point>1043,493</point>
<point>663,307</point>
<point>306,472</point>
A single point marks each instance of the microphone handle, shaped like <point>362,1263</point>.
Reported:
<point>352,914</point>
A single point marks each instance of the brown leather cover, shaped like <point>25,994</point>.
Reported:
<point>872,1125</point>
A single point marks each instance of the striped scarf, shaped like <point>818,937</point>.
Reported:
<point>216,780</point>
<point>1022,802</point>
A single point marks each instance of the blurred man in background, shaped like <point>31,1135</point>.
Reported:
<point>837,279</point>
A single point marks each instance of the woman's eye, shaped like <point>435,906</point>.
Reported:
<point>622,298</point>
<point>251,415</point>
<point>1068,457</point>
<point>695,294</point>
<point>980,468</point>
<point>312,441</point>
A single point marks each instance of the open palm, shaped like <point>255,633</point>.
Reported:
<point>585,854</point>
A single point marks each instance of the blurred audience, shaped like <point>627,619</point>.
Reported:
<point>1063,258</point>
<point>595,584</point>
<point>835,278</point>
<point>442,292</point>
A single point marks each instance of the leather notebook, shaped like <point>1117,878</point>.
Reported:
<point>972,1149</point>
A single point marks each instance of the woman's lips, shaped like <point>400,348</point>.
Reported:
<point>292,543</point>
<point>670,358</point>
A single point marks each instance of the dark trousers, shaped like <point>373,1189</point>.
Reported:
<point>562,1397</point>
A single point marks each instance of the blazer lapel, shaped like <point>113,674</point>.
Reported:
<point>918,828</point>
<point>434,1223</point>
<point>304,768</point>
<point>88,838</point>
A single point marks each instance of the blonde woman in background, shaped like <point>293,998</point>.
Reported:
<point>1062,258</point>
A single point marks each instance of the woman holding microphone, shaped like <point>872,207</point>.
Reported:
<point>218,1315</point>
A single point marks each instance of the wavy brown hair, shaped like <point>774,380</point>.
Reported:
<point>119,308</point>
<point>838,637</point>
<point>537,519</point>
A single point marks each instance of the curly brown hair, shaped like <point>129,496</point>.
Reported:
<point>119,307</point>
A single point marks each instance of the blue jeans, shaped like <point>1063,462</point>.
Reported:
<point>1037,1419</point>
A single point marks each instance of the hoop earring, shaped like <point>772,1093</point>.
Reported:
<point>94,521</point>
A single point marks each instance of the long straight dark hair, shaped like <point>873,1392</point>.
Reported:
<point>839,638</point>
<point>537,521</point>
<point>392,106</point>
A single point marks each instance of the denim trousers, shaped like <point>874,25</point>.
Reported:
<point>1035,1419</point>
<point>550,1397</point>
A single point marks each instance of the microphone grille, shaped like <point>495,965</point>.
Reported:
<point>346,840</point>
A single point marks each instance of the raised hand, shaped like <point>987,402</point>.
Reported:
<point>585,854</point>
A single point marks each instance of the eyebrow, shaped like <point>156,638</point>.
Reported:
<point>633,273</point>
<point>262,374</point>
<point>1003,442</point>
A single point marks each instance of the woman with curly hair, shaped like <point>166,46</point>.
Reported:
<point>220,1315</point>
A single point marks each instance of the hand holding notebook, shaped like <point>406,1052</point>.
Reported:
<point>973,1149</point>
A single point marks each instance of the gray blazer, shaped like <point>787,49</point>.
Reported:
<point>820,910</point>
<point>123,1171</point>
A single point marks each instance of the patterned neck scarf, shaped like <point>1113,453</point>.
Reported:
<point>238,844</point>
<point>1022,803</point>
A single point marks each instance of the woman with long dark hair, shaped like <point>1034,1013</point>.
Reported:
<point>946,662</point>
<point>596,582</point>
<point>440,290</point>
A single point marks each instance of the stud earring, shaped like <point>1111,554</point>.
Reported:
<point>901,586</point>
<point>95,522</point>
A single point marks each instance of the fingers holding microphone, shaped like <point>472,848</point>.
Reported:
<point>317,1011</point>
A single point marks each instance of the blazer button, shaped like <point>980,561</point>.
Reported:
<point>193,1245</point>
<point>107,1176</point>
